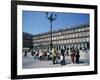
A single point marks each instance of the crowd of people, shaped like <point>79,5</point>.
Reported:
<point>55,55</point>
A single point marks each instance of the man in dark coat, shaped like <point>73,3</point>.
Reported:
<point>77,56</point>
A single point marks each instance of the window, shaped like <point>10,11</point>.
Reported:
<point>67,41</point>
<point>67,36</point>
<point>80,40</point>
<point>59,42</point>
<point>59,33</point>
<point>82,29</point>
<point>61,37</point>
<point>84,39</point>
<point>73,35</point>
<point>64,41</point>
<point>74,41</point>
<point>70,41</point>
<point>87,39</point>
<point>79,30</point>
<point>52,38</point>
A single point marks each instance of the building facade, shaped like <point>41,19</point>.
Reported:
<point>27,41</point>
<point>77,37</point>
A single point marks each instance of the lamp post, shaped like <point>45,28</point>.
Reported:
<point>51,19</point>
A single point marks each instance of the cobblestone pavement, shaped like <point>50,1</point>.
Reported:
<point>30,62</point>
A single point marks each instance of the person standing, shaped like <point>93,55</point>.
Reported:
<point>25,53</point>
<point>61,59</point>
<point>54,55</point>
<point>40,54</point>
<point>77,56</point>
<point>73,55</point>
<point>62,53</point>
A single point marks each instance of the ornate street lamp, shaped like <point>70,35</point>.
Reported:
<point>50,16</point>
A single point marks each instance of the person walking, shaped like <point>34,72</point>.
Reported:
<point>32,53</point>
<point>54,55</point>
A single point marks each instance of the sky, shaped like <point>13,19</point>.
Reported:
<point>35,22</point>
